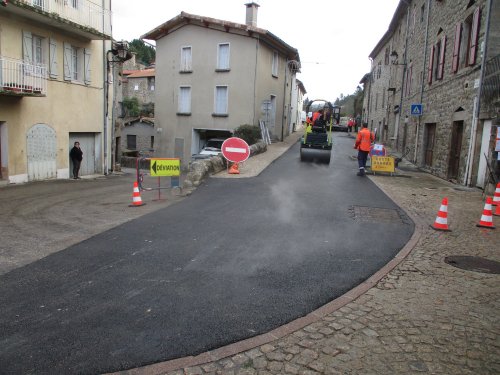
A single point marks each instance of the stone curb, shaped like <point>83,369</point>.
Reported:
<point>293,326</point>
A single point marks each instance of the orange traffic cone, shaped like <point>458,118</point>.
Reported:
<point>234,169</point>
<point>136,197</point>
<point>497,210</point>
<point>496,196</point>
<point>487,218</point>
<point>441,222</point>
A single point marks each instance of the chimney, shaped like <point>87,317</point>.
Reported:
<point>252,14</point>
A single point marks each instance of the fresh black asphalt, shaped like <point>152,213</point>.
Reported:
<point>237,258</point>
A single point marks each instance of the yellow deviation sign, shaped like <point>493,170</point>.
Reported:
<point>165,167</point>
<point>382,164</point>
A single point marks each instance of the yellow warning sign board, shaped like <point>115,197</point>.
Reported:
<point>382,164</point>
<point>165,167</point>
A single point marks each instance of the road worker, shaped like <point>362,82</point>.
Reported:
<point>363,142</point>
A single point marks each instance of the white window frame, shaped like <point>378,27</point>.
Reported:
<point>223,64</point>
<point>221,102</point>
<point>75,64</point>
<point>275,64</point>
<point>184,107</point>
<point>186,61</point>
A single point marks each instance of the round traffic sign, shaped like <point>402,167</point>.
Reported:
<point>235,149</point>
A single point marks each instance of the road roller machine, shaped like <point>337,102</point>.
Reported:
<point>316,143</point>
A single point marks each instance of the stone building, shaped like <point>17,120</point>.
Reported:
<point>424,88</point>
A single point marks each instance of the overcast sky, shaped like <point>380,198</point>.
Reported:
<point>333,37</point>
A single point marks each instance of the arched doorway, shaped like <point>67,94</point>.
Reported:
<point>41,150</point>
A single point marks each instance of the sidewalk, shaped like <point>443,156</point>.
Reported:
<point>422,316</point>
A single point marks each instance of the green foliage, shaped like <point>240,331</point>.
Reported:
<point>148,109</point>
<point>352,104</point>
<point>249,133</point>
<point>132,107</point>
<point>144,54</point>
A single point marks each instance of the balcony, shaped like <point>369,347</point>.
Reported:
<point>18,78</point>
<point>82,18</point>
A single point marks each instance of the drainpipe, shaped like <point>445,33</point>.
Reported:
<point>368,102</point>
<point>284,102</point>
<point>404,73</point>
<point>426,44</point>
<point>106,92</point>
<point>477,102</point>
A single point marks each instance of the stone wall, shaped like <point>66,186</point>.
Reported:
<point>445,101</point>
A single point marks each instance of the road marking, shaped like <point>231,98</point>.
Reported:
<point>236,149</point>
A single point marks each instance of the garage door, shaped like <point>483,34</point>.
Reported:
<point>87,145</point>
<point>41,149</point>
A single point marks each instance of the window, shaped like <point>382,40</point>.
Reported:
<point>422,13</point>
<point>186,59</point>
<point>37,50</point>
<point>220,100</point>
<point>409,79</point>
<point>184,105</point>
<point>275,64</point>
<point>383,98</point>
<point>76,64</point>
<point>131,142</point>
<point>379,69</point>
<point>386,57</point>
<point>136,87</point>
<point>38,3</point>
<point>440,54</point>
<point>74,4</point>
<point>223,56</point>
<point>466,41</point>
<point>152,144</point>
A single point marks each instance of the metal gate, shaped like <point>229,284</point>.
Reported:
<point>41,150</point>
<point>87,145</point>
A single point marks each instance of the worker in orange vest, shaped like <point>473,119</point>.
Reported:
<point>363,142</point>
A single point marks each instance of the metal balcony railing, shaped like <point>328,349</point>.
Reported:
<point>491,84</point>
<point>18,77</point>
<point>82,12</point>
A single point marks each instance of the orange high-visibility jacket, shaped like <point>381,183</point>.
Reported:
<point>364,140</point>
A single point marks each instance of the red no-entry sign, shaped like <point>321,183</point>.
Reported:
<point>235,149</point>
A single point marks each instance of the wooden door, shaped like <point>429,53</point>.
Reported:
<point>430,136</point>
<point>455,149</point>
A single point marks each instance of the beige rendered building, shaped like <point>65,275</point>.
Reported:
<point>213,76</point>
<point>53,87</point>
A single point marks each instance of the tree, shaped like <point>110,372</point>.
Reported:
<point>144,54</point>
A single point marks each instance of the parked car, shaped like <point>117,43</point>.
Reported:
<point>211,148</point>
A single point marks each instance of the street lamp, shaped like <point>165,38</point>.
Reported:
<point>117,55</point>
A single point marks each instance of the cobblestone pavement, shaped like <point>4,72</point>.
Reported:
<point>424,316</point>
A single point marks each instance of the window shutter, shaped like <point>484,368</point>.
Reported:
<point>86,64</point>
<point>223,56</point>
<point>474,37</point>
<point>67,62</point>
<point>184,100</point>
<point>52,58</point>
<point>27,47</point>
<point>186,58</point>
<point>410,78</point>
<point>431,64</point>
<point>442,54</point>
<point>456,48</point>
<point>221,100</point>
